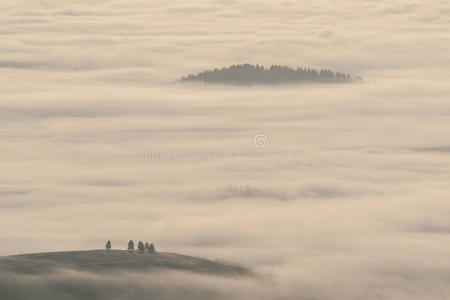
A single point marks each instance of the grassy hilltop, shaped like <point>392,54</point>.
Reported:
<point>114,260</point>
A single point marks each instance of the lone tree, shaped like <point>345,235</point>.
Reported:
<point>131,245</point>
<point>108,246</point>
<point>141,247</point>
<point>151,249</point>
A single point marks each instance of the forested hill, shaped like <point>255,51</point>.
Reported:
<point>276,74</point>
<point>100,261</point>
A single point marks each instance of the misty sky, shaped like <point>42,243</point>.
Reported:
<point>98,141</point>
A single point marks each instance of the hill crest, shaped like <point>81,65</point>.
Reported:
<point>100,261</point>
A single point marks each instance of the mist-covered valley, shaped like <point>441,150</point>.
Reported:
<point>323,191</point>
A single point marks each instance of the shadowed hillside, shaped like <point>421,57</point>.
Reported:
<point>276,74</point>
<point>115,260</point>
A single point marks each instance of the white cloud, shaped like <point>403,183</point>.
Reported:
<point>86,87</point>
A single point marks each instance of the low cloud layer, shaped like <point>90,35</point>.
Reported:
<point>393,282</point>
<point>86,89</point>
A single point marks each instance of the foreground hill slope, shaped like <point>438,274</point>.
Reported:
<point>100,261</point>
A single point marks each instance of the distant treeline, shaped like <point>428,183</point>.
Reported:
<point>252,74</point>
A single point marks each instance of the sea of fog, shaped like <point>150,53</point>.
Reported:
<point>326,191</point>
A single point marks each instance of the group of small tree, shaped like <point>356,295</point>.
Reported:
<point>150,248</point>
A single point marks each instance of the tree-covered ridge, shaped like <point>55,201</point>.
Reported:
<point>252,74</point>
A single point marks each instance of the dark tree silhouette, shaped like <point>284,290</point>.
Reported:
<point>108,245</point>
<point>254,74</point>
<point>147,246</point>
<point>141,247</point>
<point>151,249</point>
<point>131,245</point>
